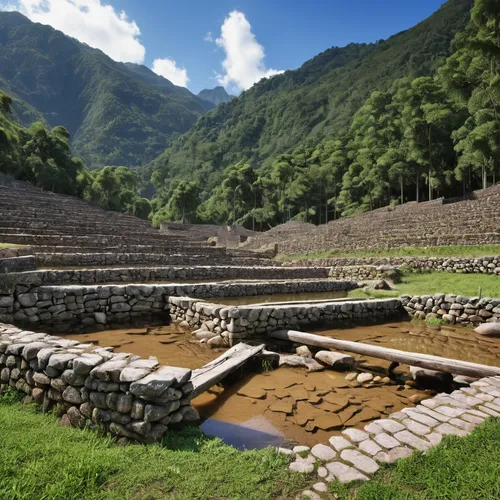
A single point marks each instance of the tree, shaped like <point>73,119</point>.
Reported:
<point>5,103</point>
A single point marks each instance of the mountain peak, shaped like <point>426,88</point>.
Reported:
<point>216,95</point>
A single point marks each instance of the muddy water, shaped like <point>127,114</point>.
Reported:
<point>280,297</point>
<point>287,406</point>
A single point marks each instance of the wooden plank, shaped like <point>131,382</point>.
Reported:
<point>212,373</point>
<point>454,366</point>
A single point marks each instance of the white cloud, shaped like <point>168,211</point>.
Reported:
<point>8,7</point>
<point>244,62</point>
<point>168,69</point>
<point>208,37</point>
<point>91,22</point>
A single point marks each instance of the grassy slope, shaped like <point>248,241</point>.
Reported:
<point>442,251</point>
<point>440,282</point>
<point>459,468</point>
<point>39,459</point>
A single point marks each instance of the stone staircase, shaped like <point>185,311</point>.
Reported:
<point>64,231</point>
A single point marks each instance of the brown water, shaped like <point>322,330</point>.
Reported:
<point>288,405</point>
<point>280,297</point>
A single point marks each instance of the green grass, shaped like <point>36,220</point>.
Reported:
<point>39,459</point>
<point>9,245</point>
<point>456,469</point>
<point>442,251</point>
<point>428,283</point>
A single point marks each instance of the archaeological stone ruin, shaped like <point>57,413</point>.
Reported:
<point>71,268</point>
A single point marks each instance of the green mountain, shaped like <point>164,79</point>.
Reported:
<point>317,100</point>
<point>117,114</point>
<point>215,95</point>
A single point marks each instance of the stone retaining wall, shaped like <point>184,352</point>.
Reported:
<point>453,308</point>
<point>358,273</point>
<point>490,265</point>
<point>130,397</point>
<point>18,264</point>
<point>243,322</point>
<point>124,259</point>
<point>78,308</point>
<point>148,274</point>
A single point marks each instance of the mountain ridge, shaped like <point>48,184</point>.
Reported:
<point>118,114</point>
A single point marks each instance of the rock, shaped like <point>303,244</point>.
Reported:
<point>138,369</point>
<point>60,361</point>
<point>323,452</point>
<point>335,359</point>
<point>301,466</point>
<point>252,392</point>
<point>204,334</point>
<point>109,371</point>
<point>282,408</point>
<point>355,435</point>
<point>84,364</point>
<point>75,417</point>
<point>153,413</point>
<point>189,414</point>
<point>216,341</point>
<point>360,461</point>
<point>430,378</point>
<point>351,376</point>
<point>344,473</point>
<point>309,363</point>
<point>298,393</point>
<point>72,395</point>
<point>364,378</point>
<point>488,329</point>
<point>153,386</point>
<point>27,299</point>
<point>304,351</point>
<point>380,285</point>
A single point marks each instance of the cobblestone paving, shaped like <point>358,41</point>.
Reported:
<point>357,454</point>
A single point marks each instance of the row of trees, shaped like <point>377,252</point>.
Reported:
<point>43,158</point>
<point>423,138</point>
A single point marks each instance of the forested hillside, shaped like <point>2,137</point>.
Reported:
<point>117,114</point>
<point>42,157</point>
<point>306,105</point>
<point>415,139</point>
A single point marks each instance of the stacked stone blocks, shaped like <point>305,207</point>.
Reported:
<point>129,397</point>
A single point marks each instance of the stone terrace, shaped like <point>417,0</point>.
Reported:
<point>473,221</point>
<point>58,229</point>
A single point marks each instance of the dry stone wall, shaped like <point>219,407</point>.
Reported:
<point>79,308</point>
<point>244,322</point>
<point>152,274</point>
<point>129,397</point>
<point>358,273</point>
<point>484,265</point>
<point>453,308</point>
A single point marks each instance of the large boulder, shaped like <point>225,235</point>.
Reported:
<point>336,360</point>
<point>488,329</point>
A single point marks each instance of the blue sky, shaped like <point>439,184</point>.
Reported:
<point>287,32</point>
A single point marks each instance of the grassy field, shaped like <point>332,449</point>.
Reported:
<point>459,468</point>
<point>427,283</point>
<point>39,459</point>
<point>443,251</point>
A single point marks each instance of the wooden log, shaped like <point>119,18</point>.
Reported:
<point>454,366</point>
<point>212,373</point>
